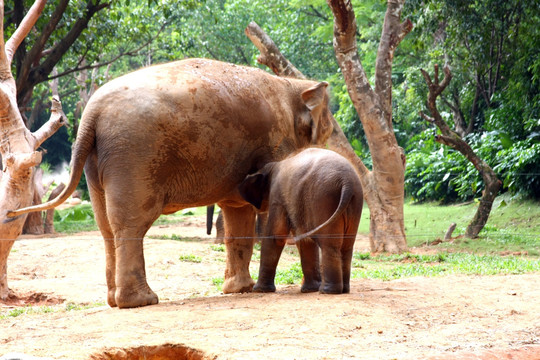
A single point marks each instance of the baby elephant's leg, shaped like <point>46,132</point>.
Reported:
<point>309,258</point>
<point>332,269</point>
<point>346,258</point>
<point>272,245</point>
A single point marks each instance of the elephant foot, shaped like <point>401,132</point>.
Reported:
<point>264,288</point>
<point>238,284</point>
<point>346,289</point>
<point>312,286</point>
<point>331,289</point>
<point>128,298</point>
<point>110,298</point>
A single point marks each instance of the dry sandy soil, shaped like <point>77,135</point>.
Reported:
<point>453,317</point>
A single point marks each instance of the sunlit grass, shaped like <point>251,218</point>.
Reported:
<point>391,267</point>
<point>38,310</point>
<point>190,258</point>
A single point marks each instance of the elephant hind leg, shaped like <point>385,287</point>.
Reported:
<point>309,259</point>
<point>97,198</point>
<point>129,228</point>
<point>347,249</point>
<point>346,259</point>
<point>98,204</point>
<point>332,268</point>
<point>132,289</point>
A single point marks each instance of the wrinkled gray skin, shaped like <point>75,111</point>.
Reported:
<point>180,135</point>
<point>315,194</point>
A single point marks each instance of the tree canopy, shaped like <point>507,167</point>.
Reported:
<point>491,47</point>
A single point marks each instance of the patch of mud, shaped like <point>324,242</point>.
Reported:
<point>31,299</point>
<point>159,352</point>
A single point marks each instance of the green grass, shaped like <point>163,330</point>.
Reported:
<point>292,275</point>
<point>218,247</point>
<point>389,267</point>
<point>513,226</point>
<point>180,216</point>
<point>174,237</point>
<point>37,310</point>
<point>190,258</point>
<point>218,283</point>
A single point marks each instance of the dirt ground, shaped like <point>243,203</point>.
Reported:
<point>452,317</point>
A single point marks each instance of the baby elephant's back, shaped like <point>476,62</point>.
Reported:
<point>319,177</point>
<point>322,166</point>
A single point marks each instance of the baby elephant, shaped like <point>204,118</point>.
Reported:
<point>316,195</point>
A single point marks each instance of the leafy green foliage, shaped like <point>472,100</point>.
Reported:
<point>75,219</point>
<point>471,36</point>
<point>446,176</point>
<point>519,168</point>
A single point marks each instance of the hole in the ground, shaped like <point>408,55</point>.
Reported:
<point>158,352</point>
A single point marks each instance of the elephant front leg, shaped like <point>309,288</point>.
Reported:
<point>276,233</point>
<point>271,249</point>
<point>239,236</point>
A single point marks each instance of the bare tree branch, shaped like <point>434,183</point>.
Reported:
<point>40,73</point>
<point>393,32</point>
<point>270,54</point>
<point>345,47</point>
<point>24,28</point>
<point>427,118</point>
<point>57,119</point>
<point>453,140</point>
<point>37,50</point>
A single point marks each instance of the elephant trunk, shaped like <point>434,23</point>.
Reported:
<point>209,218</point>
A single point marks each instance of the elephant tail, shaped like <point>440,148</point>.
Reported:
<point>209,218</point>
<point>347,194</point>
<point>84,144</point>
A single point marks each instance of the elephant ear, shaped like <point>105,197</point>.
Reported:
<point>316,100</point>
<point>254,188</point>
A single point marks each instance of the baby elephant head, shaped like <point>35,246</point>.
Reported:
<point>256,187</point>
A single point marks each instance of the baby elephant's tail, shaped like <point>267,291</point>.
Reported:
<point>347,194</point>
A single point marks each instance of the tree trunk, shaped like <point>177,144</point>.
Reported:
<point>384,186</point>
<point>492,187</point>
<point>34,221</point>
<point>49,218</point>
<point>452,139</point>
<point>17,144</point>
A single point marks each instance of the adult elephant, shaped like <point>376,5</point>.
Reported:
<point>179,135</point>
